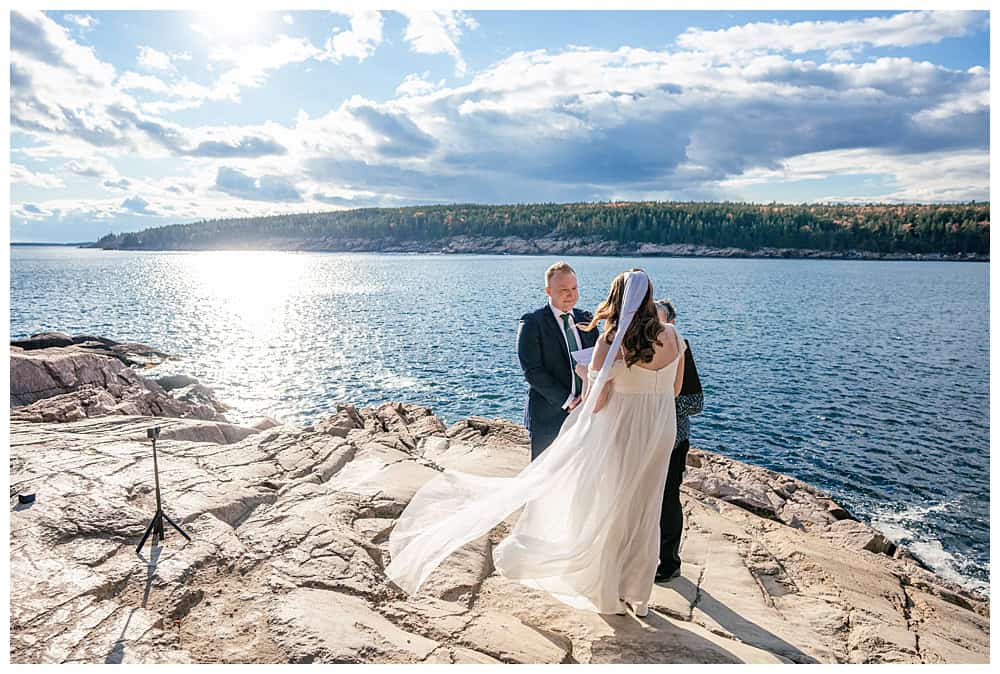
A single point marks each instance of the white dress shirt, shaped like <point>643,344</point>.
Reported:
<point>573,393</point>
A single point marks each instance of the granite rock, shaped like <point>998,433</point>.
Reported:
<point>289,528</point>
<point>67,383</point>
<point>129,353</point>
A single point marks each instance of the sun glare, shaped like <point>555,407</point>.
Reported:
<point>252,286</point>
<point>229,24</point>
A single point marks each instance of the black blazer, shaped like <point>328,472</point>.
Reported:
<point>545,360</point>
<point>691,399</point>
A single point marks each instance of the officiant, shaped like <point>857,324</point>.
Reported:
<point>689,402</point>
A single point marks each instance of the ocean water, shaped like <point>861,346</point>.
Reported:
<point>868,379</point>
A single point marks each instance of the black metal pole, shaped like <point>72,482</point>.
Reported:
<point>156,524</point>
<point>174,525</point>
<point>159,502</point>
<point>152,522</point>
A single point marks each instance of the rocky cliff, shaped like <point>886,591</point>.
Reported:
<point>289,528</point>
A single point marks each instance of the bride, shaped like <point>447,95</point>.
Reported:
<point>589,530</point>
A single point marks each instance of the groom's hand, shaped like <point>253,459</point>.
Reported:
<point>576,401</point>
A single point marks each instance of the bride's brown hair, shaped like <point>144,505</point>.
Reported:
<point>642,333</point>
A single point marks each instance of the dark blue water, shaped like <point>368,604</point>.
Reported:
<point>869,379</point>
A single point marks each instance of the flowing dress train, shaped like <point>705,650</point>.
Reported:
<point>589,529</point>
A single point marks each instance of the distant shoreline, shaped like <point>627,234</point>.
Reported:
<point>64,245</point>
<point>469,245</point>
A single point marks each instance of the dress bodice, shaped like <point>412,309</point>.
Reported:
<point>636,379</point>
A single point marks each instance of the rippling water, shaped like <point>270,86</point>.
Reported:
<point>869,379</point>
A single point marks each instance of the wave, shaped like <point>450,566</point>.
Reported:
<point>947,565</point>
<point>897,526</point>
<point>915,513</point>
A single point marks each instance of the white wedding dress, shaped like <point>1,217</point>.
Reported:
<point>589,530</point>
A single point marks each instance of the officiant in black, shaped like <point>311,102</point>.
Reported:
<point>690,401</point>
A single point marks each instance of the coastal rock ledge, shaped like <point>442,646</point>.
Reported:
<point>289,529</point>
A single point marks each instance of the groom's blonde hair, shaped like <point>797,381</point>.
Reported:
<point>555,269</point>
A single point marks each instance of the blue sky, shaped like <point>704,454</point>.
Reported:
<point>122,120</point>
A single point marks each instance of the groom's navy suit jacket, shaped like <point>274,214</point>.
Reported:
<point>541,348</point>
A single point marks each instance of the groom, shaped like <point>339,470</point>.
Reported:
<point>545,339</point>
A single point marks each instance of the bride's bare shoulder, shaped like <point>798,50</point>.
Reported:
<point>601,349</point>
<point>602,346</point>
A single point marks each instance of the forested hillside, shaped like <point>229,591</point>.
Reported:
<point>885,228</point>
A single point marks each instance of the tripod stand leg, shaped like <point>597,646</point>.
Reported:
<point>174,525</point>
<point>152,522</point>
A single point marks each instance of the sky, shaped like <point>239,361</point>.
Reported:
<point>124,120</point>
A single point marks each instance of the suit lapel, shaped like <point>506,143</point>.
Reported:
<point>556,331</point>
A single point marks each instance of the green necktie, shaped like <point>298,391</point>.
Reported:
<point>570,341</point>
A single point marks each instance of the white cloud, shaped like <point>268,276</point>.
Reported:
<point>92,167</point>
<point>415,85</point>
<point>973,97</point>
<point>603,120</point>
<point>138,205</point>
<point>58,86</point>
<point>31,211</point>
<point>24,175</point>
<point>252,62</point>
<point>153,59</point>
<point>84,21</point>
<point>64,96</point>
<point>468,21</point>
<point>438,32</point>
<point>249,64</point>
<point>37,38</point>
<point>117,184</point>
<point>131,81</point>
<point>183,94</point>
<point>360,41</point>
<point>55,147</point>
<point>899,30</point>
<point>160,61</point>
<point>287,18</point>
<point>961,175</point>
<point>163,107</point>
<point>843,54</point>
